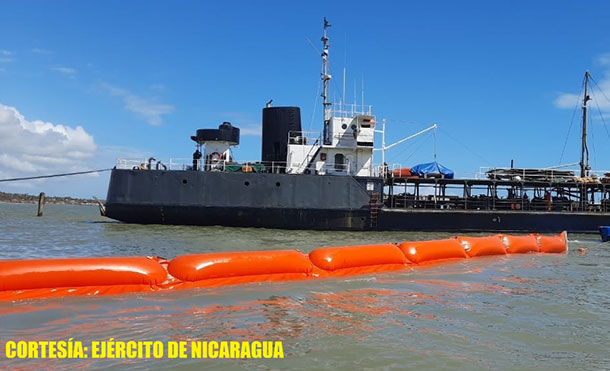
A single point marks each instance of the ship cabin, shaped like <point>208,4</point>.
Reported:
<point>344,148</point>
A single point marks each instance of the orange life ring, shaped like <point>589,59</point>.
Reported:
<point>215,157</point>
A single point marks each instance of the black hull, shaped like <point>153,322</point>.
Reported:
<point>359,220</point>
<point>241,199</point>
<point>491,221</point>
<point>305,202</point>
<point>310,219</point>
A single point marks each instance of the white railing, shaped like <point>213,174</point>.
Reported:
<point>326,168</point>
<point>304,137</point>
<point>393,170</point>
<point>201,165</point>
<point>350,110</point>
<point>275,166</point>
<point>130,163</point>
<point>382,169</point>
<point>141,164</point>
<point>552,174</point>
<point>339,169</point>
<point>182,163</point>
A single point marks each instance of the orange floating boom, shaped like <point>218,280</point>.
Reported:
<point>481,246</point>
<point>29,279</point>
<point>48,273</point>
<point>426,251</point>
<point>230,264</point>
<point>553,244</point>
<point>335,258</point>
<point>520,244</point>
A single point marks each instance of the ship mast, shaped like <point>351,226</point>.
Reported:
<point>325,75</point>
<point>584,157</point>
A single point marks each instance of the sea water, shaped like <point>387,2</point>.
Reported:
<point>546,311</point>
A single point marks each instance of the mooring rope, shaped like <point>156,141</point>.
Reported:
<point>54,175</point>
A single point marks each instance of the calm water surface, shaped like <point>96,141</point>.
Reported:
<point>512,312</point>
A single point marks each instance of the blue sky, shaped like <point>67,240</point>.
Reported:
<point>139,77</point>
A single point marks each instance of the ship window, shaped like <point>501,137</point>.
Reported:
<point>323,156</point>
<point>184,181</point>
<point>344,126</point>
<point>339,160</point>
<point>246,183</point>
<point>277,184</point>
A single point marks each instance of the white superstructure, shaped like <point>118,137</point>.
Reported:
<point>349,149</point>
<point>345,147</point>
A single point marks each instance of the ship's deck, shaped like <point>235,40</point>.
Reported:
<point>496,194</point>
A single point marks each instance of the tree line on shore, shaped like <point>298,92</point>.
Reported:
<point>23,198</point>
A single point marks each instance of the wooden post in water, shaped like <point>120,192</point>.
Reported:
<point>101,206</point>
<point>41,199</point>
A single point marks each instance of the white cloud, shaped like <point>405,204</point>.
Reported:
<point>567,100</point>
<point>31,148</point>
<point>603,59</point>
<point>5,56</point>
<point>244,121</point>
<point>147,108</point>
<point>251,130</point>
<point>41,51</point>
<point>36,147</point>
<point>70,72</point>
<point>599,90</point>
<point>157,87</point>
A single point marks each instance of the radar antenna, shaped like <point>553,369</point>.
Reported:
<point>325,75</point>
<point>584,156</point>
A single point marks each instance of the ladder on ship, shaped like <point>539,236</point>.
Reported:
<point>374,206</point>
<point>309,158</point>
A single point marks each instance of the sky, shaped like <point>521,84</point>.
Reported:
<point>85,83</point>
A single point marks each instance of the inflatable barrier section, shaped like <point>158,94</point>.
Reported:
<point>33,279</point>
<point>220,269</point>
<point>352,260</point>
<point>433,251</point>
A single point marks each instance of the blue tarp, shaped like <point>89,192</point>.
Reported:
<point>432,170</point>
<point>605,232</point>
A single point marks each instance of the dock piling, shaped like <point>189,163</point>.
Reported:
<point>41,199</point>
<point>101,206</point>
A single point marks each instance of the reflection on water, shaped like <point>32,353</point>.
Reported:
<point>519,311</point>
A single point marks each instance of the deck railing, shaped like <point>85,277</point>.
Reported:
<point>554,174</point>
<point>304,137</point>
<point>350,110</point>
<point>488,194</point>
<point>184,164</point>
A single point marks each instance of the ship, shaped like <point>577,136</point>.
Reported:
<point>328,181</point>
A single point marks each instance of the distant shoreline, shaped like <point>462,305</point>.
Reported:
<point>23,198</point>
